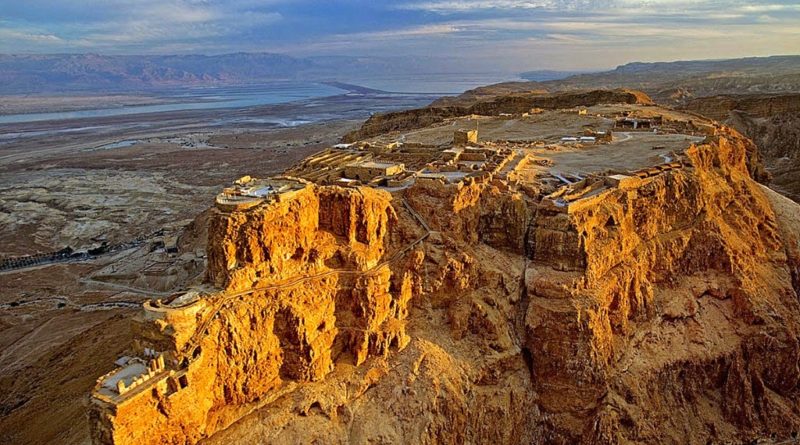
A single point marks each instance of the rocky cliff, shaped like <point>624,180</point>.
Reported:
<point>302,289</point>
<point>755,105</point>
<point>665,313</point>
<point>773,123</point>
<point>659,311</point>
<point>463,378</point>
<point>513,104</point>
<point>475,211</point>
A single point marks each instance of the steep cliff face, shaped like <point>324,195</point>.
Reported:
<point>303,290</point>
<point>476,211</point>
<point>661,311</point>
<point>756,105</point>
<point>515,104</point>
<point>773,123</point>
<point>301,235</point>
<point>778,140</point>
<point>667,315</point>
<point>463,378</point>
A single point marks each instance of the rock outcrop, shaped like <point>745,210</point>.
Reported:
<point>665,313</point>
<point>654,309</point>
<point>756,105</point>
<point>306,282</point>
<point>475,211</point>
<point>773,123</point>
<point>320,228</point>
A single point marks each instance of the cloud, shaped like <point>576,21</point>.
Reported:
<point>508,33</point>
<point>470,5</point>
<point>28,36</point>
<point>132,25</point>
<point>638,6</point>
<point>414,31</point>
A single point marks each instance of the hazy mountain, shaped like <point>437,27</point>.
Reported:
<point>32,73</point>
<point>679,81</point>
<point>665,82</point>
<point>545,75</point>
<point>93,72</point>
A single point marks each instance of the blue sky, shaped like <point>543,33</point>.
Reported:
<point>501,34</point>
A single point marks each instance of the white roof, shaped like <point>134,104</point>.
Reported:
<point>258,191</point>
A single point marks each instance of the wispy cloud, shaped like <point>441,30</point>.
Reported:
<point>13,34</point>
<point>125,25</point>
<point>516,34</point>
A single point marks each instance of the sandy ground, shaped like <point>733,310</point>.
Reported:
<point>628,150</point>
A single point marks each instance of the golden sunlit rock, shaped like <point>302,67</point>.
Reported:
<point>583,289</point>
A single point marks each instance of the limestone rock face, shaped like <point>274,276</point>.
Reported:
<point>301,235</point>
<point>665,313</point>
<point>303,290</point>
<point>756,105</point>
<point>474,212</point>
<point>463,377</point>
<point>772,121</point>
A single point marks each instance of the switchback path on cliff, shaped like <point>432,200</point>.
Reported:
<point>192,343</point>
<point>127,288</point>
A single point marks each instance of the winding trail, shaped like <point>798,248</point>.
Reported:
<point>124,287</point>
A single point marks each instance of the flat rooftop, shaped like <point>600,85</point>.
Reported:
<point>248,192</point>
<point>374,164</point>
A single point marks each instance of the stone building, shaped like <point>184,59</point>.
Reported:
<point>464,137</point>
<point>367,171</point>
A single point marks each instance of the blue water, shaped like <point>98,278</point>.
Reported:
<point>439,84</point>
<point>200,99</point>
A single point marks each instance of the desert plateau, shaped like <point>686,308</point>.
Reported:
<point>443,222</point>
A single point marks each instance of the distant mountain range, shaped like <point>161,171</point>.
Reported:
<point>545,75</point>
<point>28,73</point>
<point>93,72</point>
<point>679,81</point>
<point>665,82</point>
